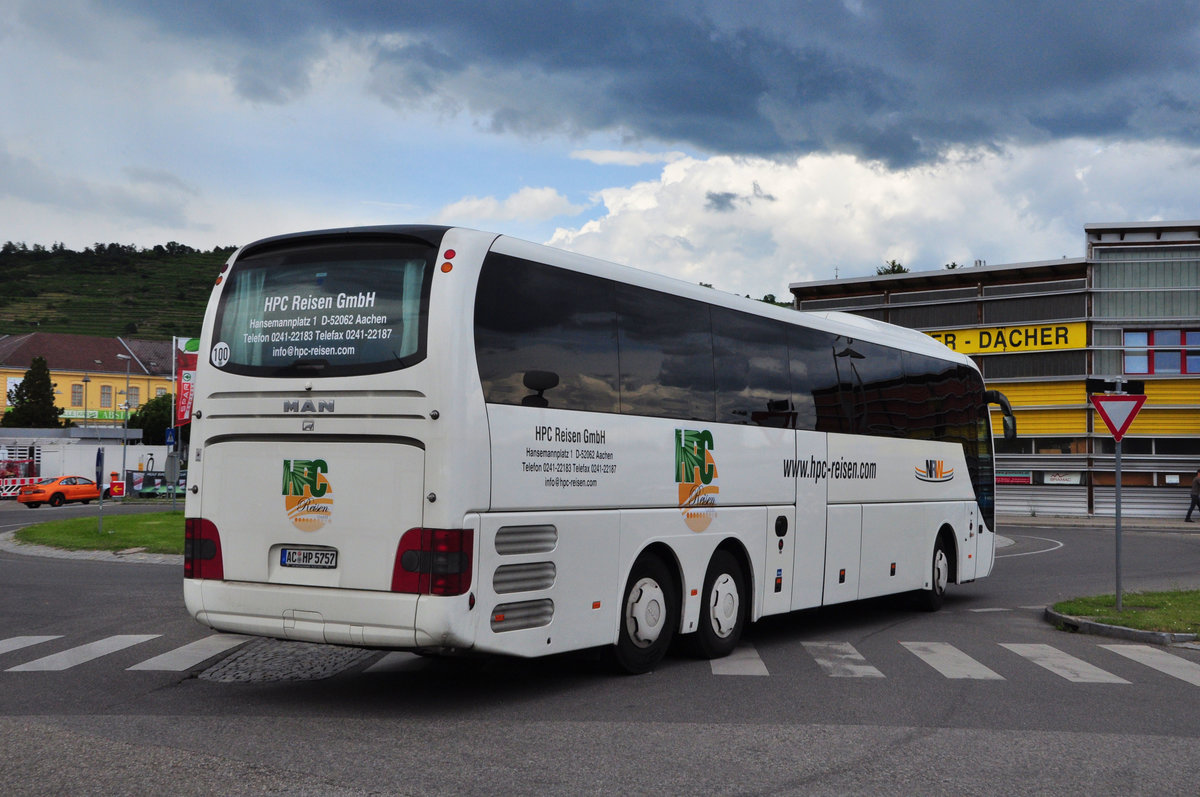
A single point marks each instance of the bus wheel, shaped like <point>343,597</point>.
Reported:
<point>723,613</point>
<point>931,599</point>
<point>649,615</point>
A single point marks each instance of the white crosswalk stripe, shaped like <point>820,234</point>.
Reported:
<point>951,662</point>
<point>397,661</point>
<point>18,642</point>
<point>744,660</point>
<point>192,654</point>
<point>841,660</point>
<point>84,653</point>
<point>1063,664</point>
<point>1160,660</point>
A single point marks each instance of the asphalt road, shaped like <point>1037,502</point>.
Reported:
<point>981,697</point>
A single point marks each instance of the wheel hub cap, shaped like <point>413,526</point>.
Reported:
<point>723,606</point>
<point>645,612</point>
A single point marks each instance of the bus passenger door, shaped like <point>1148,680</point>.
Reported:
<point>807,535</point>
<point>778,579</point>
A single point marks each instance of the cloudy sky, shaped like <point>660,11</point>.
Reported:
<point>743,144</point>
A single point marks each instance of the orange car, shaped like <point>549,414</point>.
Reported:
<point>57,492</point>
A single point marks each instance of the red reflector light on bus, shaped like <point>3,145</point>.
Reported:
<point>433,562</point>
<point>202,550</point>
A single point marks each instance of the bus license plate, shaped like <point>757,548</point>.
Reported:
<point>308,557</point>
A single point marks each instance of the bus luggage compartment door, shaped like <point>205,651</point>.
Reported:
<point>843,551</point>
<point>776,591</point>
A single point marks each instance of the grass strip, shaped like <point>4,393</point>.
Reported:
<point>157,532</point>
<point>1177,611</point>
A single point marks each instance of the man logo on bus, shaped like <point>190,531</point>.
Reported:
<point>307,493</point>
<point>696,475</point>
<point>935,471</point>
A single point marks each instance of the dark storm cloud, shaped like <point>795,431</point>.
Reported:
<point>897,82</point>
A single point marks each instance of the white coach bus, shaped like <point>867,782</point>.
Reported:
<point>446,440</point>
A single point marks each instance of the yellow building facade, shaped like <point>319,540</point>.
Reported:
<point>97,380</point>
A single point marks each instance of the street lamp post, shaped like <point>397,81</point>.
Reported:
<point>125,414</point>
<point>97,362</point>
<point>86,379</point>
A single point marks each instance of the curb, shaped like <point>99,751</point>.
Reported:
<point>1081,626</point>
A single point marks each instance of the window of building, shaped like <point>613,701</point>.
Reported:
<point>1162,352</point>
<point>106,396</point>
<point>134,398</point>
<point>160,391</point>
<point>76,395</point>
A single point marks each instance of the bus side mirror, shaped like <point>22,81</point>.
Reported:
<point>1010,427</point>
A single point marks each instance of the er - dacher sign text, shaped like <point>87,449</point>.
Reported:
<point>1029,337</point>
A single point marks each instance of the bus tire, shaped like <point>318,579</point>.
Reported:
<point>649,616</point>
<point>57,499</point>
<point>931,599</point>
<point>724,607</point>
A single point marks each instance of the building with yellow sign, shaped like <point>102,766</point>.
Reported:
<point>1128,309</point>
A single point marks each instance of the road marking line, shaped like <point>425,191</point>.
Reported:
<point>983,611</point>
<point>84,653</point>
<point>744,660</point>
<point>1160,660</point>
<point>1064,665</point>
<point>18,642</point>
<point>951,662</point>
<point>841,660</point>
<point>192,654</point>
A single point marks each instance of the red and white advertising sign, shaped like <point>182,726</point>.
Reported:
<point>185,378</point>
<point>1118,412</point>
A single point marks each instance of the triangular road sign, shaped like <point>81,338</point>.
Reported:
<point>1118,412</point>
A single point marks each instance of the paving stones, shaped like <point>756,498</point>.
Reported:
<point>271,660</point>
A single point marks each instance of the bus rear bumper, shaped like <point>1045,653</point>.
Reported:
<point>361,618</point>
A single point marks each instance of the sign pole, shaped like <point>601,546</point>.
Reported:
<point>100,484</point>
<point>1118,512</point>
<point>1118,409</point>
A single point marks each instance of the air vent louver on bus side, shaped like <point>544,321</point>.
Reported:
<point>513,540</point>
<point>526,614</point>
<point>530,577</point>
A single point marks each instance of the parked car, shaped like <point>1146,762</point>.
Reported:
<point>58,491</point>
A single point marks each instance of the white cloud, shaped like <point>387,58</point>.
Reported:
<point>613,157</point>
<point>528,204</point>
<point>752,226</point>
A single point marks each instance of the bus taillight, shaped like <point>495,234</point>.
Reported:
<point>202,550</point>
<point>433,562</point>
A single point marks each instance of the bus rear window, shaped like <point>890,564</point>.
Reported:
<point>325,310</point>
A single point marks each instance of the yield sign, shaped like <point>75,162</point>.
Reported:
<point>1118,412</point>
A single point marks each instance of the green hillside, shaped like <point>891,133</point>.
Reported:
<point>107,289</point>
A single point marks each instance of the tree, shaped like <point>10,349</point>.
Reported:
<point>153,418</point>
<point>31,403</point>
<point>891,267</point>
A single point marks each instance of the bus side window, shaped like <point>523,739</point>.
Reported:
<point>534,323</point>
<point>814,381</point>
<point>666,355</point>
<point>751,365</point>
